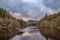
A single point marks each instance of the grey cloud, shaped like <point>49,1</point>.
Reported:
<point>24,8</point>
<point>53,4</point>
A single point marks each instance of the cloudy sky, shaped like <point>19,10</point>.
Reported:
<point>30,9</point>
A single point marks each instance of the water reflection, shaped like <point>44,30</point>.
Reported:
<point>30,34</point>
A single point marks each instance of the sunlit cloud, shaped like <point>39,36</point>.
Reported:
<point>29,16</point>
<point>30,1</point>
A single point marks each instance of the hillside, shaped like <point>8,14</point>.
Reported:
<point>49,26</point>
<point>9,26</point>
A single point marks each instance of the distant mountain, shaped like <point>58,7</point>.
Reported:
<point>32,22</point>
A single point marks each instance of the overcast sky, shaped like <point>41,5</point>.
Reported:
<point>30,9</point>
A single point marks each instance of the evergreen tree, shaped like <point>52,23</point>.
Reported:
<point>46,15</point>
<point>4,13</point>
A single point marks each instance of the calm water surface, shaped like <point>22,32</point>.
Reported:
<point>30,33</point>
